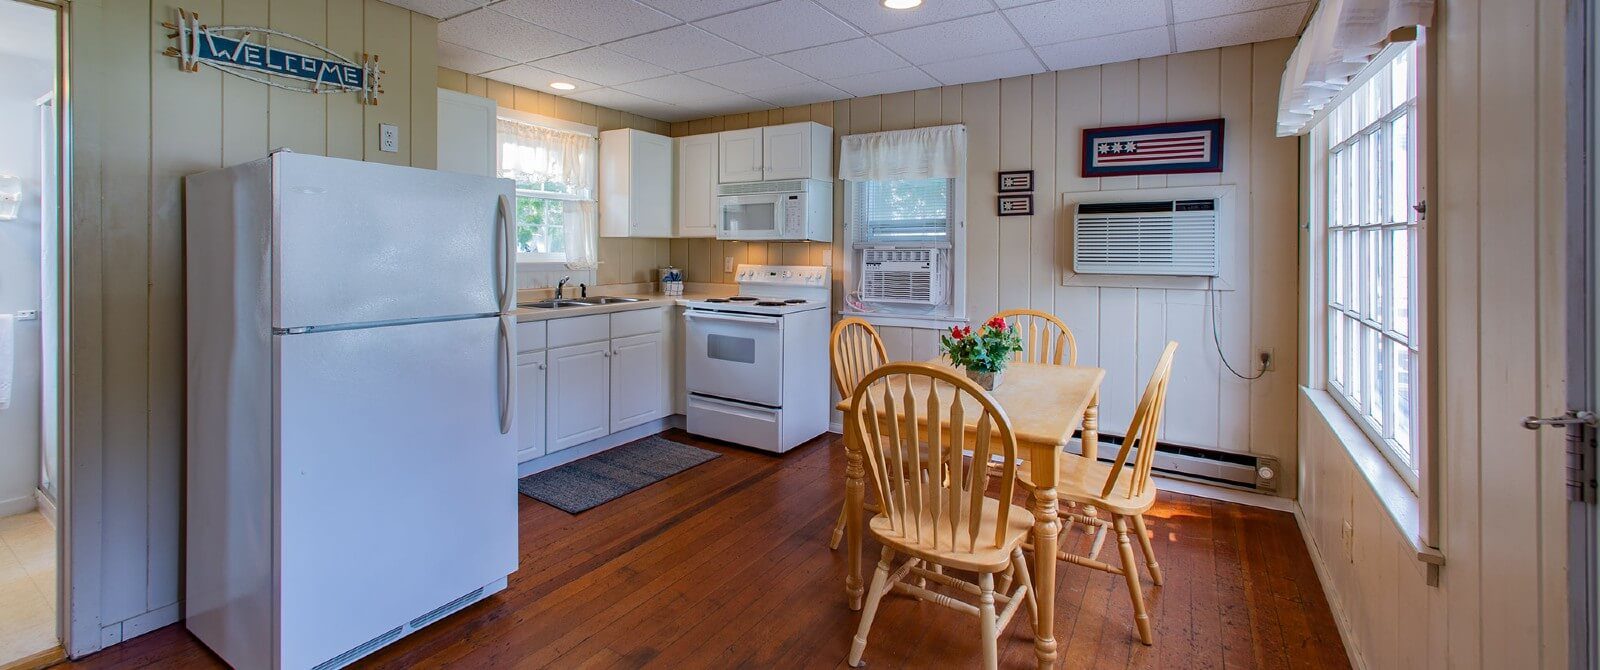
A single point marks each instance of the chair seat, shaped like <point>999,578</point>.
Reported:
<point>981,558</point>
<point>1080,480</point>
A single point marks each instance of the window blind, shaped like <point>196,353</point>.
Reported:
<point>903,211</point>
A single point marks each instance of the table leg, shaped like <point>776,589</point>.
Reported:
<point>1046,543</point>
<point>855,475</point>
<point>1091,428</point>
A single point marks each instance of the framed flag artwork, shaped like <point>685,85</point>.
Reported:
<point>1016,181</point>
<point>1015,205</point>
<point>1156,148</point>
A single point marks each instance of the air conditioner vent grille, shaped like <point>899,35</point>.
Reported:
<point>908,275</point>
<point>1146,238</point>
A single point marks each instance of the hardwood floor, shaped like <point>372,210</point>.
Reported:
<point>727,565</point>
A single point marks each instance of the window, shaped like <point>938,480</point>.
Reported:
<point>1372,262</point>
<point>903,211</point>
<point>555,173</point>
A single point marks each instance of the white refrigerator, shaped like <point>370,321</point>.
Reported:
<point>351,463</point>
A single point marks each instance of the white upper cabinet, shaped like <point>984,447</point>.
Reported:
<point>790,151</point>
<point>697,185</point>
<point>740,154</point>
<point>466,133</point>
<point>636,184</point>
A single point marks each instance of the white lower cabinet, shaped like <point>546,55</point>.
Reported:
<point>638,381</point>
<point>578,408</point>
<point>531,375</point>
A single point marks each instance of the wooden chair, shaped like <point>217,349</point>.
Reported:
<point>946,521</point>
<point>1045,337</point>
<point>1122,489</point>
<point>854,350</point>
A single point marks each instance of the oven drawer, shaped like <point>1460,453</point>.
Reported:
<point>738,423</point>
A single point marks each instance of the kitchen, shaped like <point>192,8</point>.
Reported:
<point>617,257</point>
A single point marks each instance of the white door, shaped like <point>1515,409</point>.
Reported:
<point>638,381</point>
<point>734,356</point>
<point>578,409</point>
<point>652,205</point>
<point>361,242</point>
<point>530,405</point>
<point>787,150</point>
<point>739,155</point>
<point>466,133</point>
<point>697,186</point>
<point>396,488</point>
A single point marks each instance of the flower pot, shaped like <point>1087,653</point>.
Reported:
<point>988,380</point>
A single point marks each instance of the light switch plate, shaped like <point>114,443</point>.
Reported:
<point>388,137</point>
<point>727,264</point>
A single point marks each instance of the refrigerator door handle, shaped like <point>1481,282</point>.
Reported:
<point>507,378</point>
<point>506,262</point>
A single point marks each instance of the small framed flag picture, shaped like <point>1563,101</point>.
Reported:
<point>1016,181</point>
<point>1015,205</point>
<point>1156,148</point>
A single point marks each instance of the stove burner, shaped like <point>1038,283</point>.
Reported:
<point>769,303</point>
<point>716,299</point>
<point>742,298</point>
<point>795,301</point>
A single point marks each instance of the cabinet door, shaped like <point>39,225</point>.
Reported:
<point>739,155</point>
<point>652,205</point>
<point>697,186</point>
<point>638,380</point>
<point>578,406</point>
<point>530,405</point>
<point>787,150</point>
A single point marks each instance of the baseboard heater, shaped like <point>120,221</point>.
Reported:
<point>1208,466</point>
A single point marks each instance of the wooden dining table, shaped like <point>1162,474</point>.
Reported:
<point>1046,404</point>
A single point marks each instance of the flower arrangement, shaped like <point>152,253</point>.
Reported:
<point>982,354</point>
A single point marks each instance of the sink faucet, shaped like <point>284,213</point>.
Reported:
<point>562,284</point>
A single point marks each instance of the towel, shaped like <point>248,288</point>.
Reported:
<point>8,348</point>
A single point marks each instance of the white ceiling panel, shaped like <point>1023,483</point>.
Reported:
<point>1194,10</point>
<point>1066,20</point>
<point>961,38</point>
<point>439,9</point>
<point>457,57</point>
<point>842,59</point>
<point>985,67</point>
<point>690,10</point>
<point>749,75</point>
<point>602,66</point>
<point>1109,49</point>
<point>593,21</point>
<point>873,17</point>
<point>736,104</point>
<point>781,26</point>
<point>528,76</point>
<point>1222,31</point>
<point>682,49</point>
<point>799,94</point>
<point>662,111</point>
<point>613,98</point>
<point>892,81</point>
<point>676,89</point>
<point>506,37</point>
<point>1003,4</point>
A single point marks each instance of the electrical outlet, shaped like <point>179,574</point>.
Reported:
<point>727,264</point>
<point>1266,359</point>
<point>27,314</point>
<point>388,137</point>
<point>827,257</point>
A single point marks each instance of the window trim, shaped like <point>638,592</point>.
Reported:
<point>537,261</point>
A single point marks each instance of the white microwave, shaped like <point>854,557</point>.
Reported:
<point>794,209</point>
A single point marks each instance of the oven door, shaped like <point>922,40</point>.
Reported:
<point>734,356</point>
<point>751,217</point>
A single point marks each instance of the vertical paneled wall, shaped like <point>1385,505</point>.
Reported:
<point>1035,122</point>
<point>139,124</point>
<point>622,260</point>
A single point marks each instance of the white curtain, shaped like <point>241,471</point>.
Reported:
<point>939,152</point>
<point>1340,40</point>
<point>557,162</point>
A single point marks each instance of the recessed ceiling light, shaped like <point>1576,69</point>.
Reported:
<point>901,4</point>
<point>562,86</point>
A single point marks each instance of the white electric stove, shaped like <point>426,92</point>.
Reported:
<point>756,364</point>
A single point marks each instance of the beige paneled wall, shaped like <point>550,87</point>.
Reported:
<point>622,260</point>
<point>139,124</point>
<point>1035,122</point>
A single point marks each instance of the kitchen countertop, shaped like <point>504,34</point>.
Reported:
<point>650,300</point>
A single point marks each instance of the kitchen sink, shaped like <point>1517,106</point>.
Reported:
<point>555,304</point>
<point>606,300</point>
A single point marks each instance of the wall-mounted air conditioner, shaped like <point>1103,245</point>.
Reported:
<point>1153,237</point>
<point>906,275</point>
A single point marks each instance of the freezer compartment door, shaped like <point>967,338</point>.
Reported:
<point>397,489</point>
<point>363,242</point>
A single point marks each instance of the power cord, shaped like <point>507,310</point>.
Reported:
<point>1216,338</point>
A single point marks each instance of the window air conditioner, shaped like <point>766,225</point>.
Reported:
<point>1163,237</point>
<point>910,275</point>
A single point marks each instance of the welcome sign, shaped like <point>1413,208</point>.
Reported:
<point>242,51</point>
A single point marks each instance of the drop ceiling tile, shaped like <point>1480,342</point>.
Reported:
<point>1194,10</point>
<point>1257,26</point>
<point>682,49</point>
<point>892,81</point>
<point>1107,49</point>
<point>613,98</point>
<point>781,26</point>
<point>749,75</point>
<point>593,21</point>
<point>676,89</point>
<point>961,38</point>
<point>439,9</point>
<point>873,17</point>
<point>457,57</point>
<point>1016,3</point>
<point>799,94</point>
<point>985,67</point>
<point>506,37</point>
<point>1066,20</point>
<point>661,111</point>
<point>690,10</point>
<point>737,104</point>
<point>601,66</point>
<point>530,77</point>
<point>842,59</point>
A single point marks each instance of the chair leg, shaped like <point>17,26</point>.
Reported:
<point>1019,565</point>
<point>1006,578</point>
<point>870,609</point>
<point>1144,546</point>
<point>838,529</point>
<point>987,622</point>
<point>1130,572</point>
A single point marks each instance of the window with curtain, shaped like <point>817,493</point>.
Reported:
<point>1373,344</point>
<point>555,173</point>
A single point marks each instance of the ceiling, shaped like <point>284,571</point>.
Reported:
<point>676,60</point>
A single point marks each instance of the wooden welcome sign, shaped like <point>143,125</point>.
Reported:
<point>242,51</point>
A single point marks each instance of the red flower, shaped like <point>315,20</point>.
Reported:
<point>959,332</point>
<point>996,323</point>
